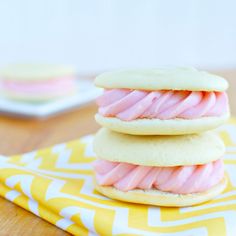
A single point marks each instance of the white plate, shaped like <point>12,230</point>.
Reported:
<point>86,93</point>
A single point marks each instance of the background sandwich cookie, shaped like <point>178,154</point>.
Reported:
<point>159,170</point>
<point>37,82</point>
<point>162,101</point>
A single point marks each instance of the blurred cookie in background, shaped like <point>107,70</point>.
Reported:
<point>37,82</point>
<point>43,90</point>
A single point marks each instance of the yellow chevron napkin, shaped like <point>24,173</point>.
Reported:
<point>56,185</point>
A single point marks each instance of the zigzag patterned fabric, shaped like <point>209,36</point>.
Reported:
<point>56,184</point>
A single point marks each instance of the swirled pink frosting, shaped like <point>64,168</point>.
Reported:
<point>58,85</point>
<point>180,179</point>
<point>129,105</point>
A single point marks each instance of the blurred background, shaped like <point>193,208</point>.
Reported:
<point>107,34</point>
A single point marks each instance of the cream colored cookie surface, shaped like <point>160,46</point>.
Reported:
<point>159,198</point>
<point>158,150</point>
<point>162,79</point>
<point>161,127</point>
<point>34,98</point>
<point>35,72</point>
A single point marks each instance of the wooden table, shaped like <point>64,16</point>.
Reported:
<point>19,136</point>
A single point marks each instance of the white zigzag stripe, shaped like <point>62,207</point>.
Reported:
<point>228,194</point>
<point>231,170</point>
<point>231,130</point>
<point>31,160</point>
<point>87,216</point>
<point>34,164</point>
<point>88,141</point>
<point>3,158</point>
<point>229,218</point>
<point>207,206</point>
<point>63,159</point>
<point>229,157</point>
<point>28,157</point>
<point>12,195</point>
<point>64,223</point>
<point>25,182</point>
<point>34,206</point>
<point>231,149</point>
<point>58,148</point>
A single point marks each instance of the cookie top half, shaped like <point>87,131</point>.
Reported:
<point>180,78</point>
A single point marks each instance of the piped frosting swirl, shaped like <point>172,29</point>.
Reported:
<point>180,179</point>
<point>129,105</point>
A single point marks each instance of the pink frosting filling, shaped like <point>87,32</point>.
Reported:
<point>129,105</point>
<point>53,85</point>
<point>179,179</point>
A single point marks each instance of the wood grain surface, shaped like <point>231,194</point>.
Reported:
<point>23,135</point>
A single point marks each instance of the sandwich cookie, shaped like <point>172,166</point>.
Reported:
<point>37,82</point>
<point>162,101</point>
<point>159,170</point>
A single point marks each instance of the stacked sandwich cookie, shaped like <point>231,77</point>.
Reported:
<point>159,102</point>
<point>159,170</point>
<point>156,147</point>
